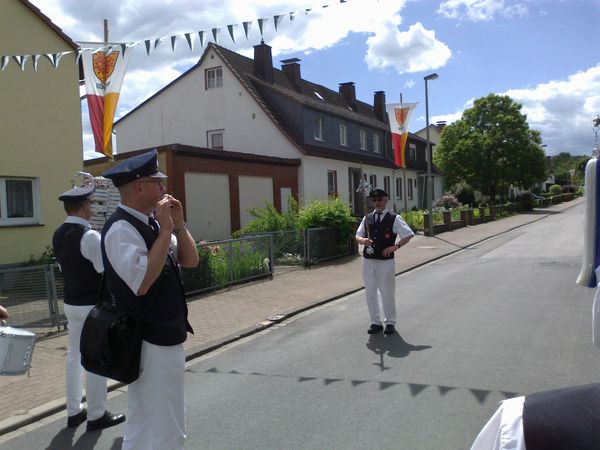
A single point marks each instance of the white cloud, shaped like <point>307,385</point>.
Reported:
<point>481,10</point>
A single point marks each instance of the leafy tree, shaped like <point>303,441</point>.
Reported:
<point>491,147</point>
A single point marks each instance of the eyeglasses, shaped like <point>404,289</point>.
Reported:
<point>378,199</point>
<point>155,181</point>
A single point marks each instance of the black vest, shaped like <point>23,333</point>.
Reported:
<point>563,419</point>
<point>81,280</point>
<point>162,309</point>
<point>382,235</point>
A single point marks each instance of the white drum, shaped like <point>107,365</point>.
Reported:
<point>16,350</point>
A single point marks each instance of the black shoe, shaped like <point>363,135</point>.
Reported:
<point>106,421</point>
<point>77,419</point>
<point>374,328</point>
<point>389,329</point>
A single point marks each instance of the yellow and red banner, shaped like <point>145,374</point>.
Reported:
<point>399,115</point>
<point>104,70</point>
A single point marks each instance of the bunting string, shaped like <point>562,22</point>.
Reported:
<point>152,44</point>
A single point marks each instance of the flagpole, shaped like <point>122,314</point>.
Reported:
<point>105,24</point>
<point>404,193</point>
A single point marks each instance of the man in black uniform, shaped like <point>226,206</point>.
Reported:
<point>77,249</point>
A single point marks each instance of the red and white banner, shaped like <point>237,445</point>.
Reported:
<point>399,115</point>
<point>104,70</point>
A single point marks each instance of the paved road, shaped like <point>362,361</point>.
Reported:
<point>498,319</point>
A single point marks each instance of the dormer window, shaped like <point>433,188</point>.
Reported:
<point>318,122</point>
<point>363,139</point>
<point>376,147</point>
<point>343,135</point>
<point>214,77</point>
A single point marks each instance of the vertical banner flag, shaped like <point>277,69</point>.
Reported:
<point>104,70</point>
<point>399,115</point>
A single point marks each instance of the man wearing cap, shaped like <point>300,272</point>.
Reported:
<point>143,244</point>
<point>77,250</point>
<point>377,232</point>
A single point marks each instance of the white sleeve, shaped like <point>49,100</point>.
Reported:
<point>401,228</point>
<point>504,431</point>
<point>127,253</point>
<point>360,232</point>
<point>90,249</point>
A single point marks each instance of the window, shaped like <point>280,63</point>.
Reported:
<point>19,201</point>
<point>214,139</point>
<point>409,188</point>
<point>363,140</point>
<point>376,148</point>
<point>214,77</point>
<point>332,183</point>
<point>318,129</point>
<point>386,185</point>
<point>399,188</point>
<point>412,151</point>
<point>343,135</point>
<point>373,181</point>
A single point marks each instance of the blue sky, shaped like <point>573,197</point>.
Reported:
<point>542,53</point>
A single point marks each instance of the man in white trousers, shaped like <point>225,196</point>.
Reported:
<point>143,244</point>
<point>377,232</point>
<point>77,250</point>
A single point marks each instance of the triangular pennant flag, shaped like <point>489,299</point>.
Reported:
<point>357,382</point>
<point>124,48</point>
<point>4,60</point>
<point>260,25</point>
<point>59,57</point>
<point>201,36</point>
<point>292,16</point>
<point>212,370</point>
<point>20,60</point>
<point>173,41</point>
<point>445,389</point>
<point>246,26</point>
<point>53,58</point>
<point>385,384</point>
<point>147,42</point>
<point>230,29</point>
<point>328,381</point>
<point>215,33</point>
<point>276,20</point>
<point>509,394</point>
<point>77,55</point>
<point>306,11</point>
<point>34,61</point>
<point>190,40</point>
<point>302,379</point>
<point>234,372</point>
<point>158,41</point>
<point>99,49</point>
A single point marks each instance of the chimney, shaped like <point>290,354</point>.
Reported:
<point>349,93</point>
<point>379,106</point>
<point>441,124</point>
<point>291,68</point>
<point>263,61</point>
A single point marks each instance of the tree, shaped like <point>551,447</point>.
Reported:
<point>491,147</point>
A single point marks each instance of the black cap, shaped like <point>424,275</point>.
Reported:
<point>76,194</point>
<point>145,165</point>
<point>377,193</point>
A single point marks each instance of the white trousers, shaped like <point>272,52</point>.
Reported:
<point>155,401</point>
<point>95,385</point>
<point>379,277</point>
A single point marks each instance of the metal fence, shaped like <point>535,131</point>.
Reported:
<point>34,295</point>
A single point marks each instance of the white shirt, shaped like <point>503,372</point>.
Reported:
<point>504,430</point>
<point>90,243</point>
<point>400,227</point>
<point>126,249</point>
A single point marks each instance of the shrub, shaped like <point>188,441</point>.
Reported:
<point>446,202</point>
<point>330,213</point>
<point>466,195</point>
<point>269,219</point>
<point>555,189</point>
<point>47,257</point>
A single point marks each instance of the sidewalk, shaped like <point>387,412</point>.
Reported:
<point>226,316</point>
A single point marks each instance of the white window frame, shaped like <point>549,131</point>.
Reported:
<point>363,139</point>
<point>214,77</point>
<point>343,135</point>
<point>376,146</point>
<point>332,182</point>
<point>373,181</point>
<point>318,122</point>
<point>412,151</point>
<point>211,134</point>
<point>6,221</point>
<point>409,188</point>
<point>399,188</point>
<point>386,185</point>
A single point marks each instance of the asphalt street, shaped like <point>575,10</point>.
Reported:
<point>499,319</point>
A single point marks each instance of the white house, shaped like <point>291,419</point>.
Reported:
<point>232,103</point>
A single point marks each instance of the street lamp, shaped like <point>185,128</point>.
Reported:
<point>432,76</point>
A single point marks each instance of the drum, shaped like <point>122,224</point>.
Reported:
<point>16,349</point>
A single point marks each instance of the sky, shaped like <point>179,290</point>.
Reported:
<point>542,53</point>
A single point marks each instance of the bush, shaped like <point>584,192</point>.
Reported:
<point>555,189</point>
<point>330,213</point>
<point>525,201</point>
<point>446,202</point>
<point>47,257</point>
<point>466,195</point>
<point>269,219</point>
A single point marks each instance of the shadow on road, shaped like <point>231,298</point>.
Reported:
<point>392,345</point>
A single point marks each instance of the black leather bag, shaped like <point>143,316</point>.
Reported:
<point>111,341</point>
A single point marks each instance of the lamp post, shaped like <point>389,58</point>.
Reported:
<point>432,76</point>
